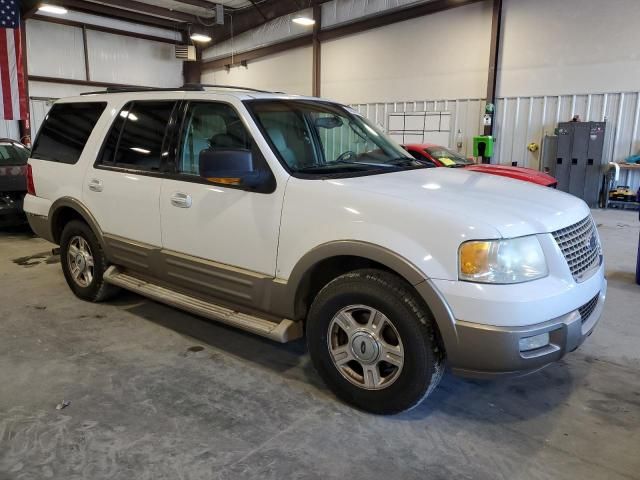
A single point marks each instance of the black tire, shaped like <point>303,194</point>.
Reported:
<point>389,294</point>
<point>97,290</point>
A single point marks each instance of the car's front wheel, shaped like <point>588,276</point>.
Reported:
<point>373,342</point>
<point>84,263</point>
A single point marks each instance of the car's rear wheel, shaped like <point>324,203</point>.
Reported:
<point>84,263</point>
<point>373,342</point>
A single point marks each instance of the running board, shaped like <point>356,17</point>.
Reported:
<point>283,331</point>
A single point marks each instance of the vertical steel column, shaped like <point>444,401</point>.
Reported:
<point>494,56</point>
<point>87,70</point>
<point>316,46</point>
<point>192,71</point>
<point>25,124</point>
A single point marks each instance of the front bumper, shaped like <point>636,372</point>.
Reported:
<point>491,351</point>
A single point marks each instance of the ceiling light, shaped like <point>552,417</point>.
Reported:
<point>52,9</point>
<point>303,20</point>
<point>200,37</point>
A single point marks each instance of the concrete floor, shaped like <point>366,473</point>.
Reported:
<point>156,393</point>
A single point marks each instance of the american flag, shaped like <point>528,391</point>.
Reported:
<point>13,98</point>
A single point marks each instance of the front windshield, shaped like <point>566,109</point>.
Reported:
<point>447,157</point>
<point>319,139</point>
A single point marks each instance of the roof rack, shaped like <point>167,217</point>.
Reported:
<point>190,87</point>
<point>143,89</point>
<point>202,86</point>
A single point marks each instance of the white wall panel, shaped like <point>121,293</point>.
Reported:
<point>57,90</point>
<point>9,129</point>
<point>118,24</point>
<point>120,59</point>
<point>39,107</point>
<point>277,30</point>
<point>552,47</point>
<point>55,50</point>
<point>338,12</point>
<point>288,72</point>
<point>443,55</point>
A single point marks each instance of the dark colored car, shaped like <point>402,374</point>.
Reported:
<point>438,156</point>
<point>13,181</point>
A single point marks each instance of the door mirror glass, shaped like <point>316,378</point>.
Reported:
<point>230,167</point>
<point>217,146</point>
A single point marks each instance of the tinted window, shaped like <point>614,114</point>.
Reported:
<point>447,157</point>
<point>11,154</point>
<point>290,133</point>
<point>65,131</point>
<point>319,139</point>
<point>211,126</point>
<point>137,135</point>
<point>111,143</point>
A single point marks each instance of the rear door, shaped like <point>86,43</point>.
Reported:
<point>122,188</point>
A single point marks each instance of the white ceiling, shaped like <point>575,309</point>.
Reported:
<point>203,12</point>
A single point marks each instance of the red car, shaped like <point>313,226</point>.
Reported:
<point>439,156</point>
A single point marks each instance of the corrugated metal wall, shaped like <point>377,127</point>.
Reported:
<point>9,129</point>
<point>55,50</point>
<point>523,120</point>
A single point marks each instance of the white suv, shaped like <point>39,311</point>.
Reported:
<point>289,216</point>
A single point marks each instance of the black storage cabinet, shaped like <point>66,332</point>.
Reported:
<point>578,166</point>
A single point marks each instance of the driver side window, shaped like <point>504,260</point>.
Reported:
<point>210,126</point>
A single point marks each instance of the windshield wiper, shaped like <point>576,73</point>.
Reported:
<point>403,162</point>
<point>328,166</point>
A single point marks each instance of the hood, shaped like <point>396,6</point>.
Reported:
<point>519,173</point>
<point>512,207</point>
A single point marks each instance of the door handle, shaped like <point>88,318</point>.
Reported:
<point>95,185</point>
<point>181,200</point>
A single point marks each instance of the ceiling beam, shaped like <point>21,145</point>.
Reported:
<point>150,9</point>
<point>239,58</point>
<point>30,11</point>
<point>248,19</point>
<point>107,11</point>
<point>198,3</point>
<point>259,10</point>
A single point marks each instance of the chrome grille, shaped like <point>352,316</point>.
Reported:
<point>587,309</point>
<point>581,247</point>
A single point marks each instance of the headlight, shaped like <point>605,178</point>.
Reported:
<point>502,261</point>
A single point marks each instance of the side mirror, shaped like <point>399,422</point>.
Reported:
<point>231,167</point>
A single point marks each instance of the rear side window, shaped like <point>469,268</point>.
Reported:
<point>11,154</point>
<point>65,131</point>
<point>137,136</point>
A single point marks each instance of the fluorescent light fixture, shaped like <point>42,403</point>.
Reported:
<point>303,20</point>
<point>141,150</point>
<point>52,9</point>
<point>200,37</point>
